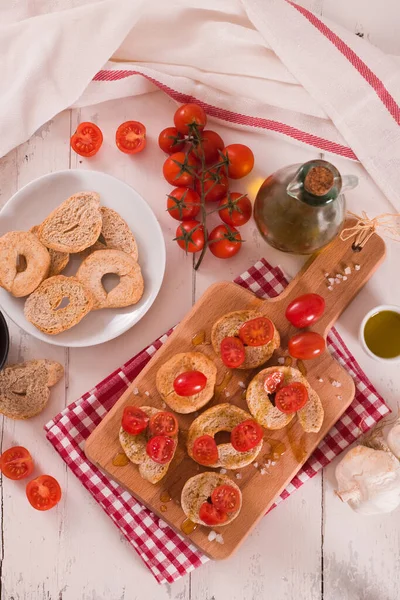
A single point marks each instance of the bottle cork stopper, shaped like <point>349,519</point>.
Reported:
<point>318,181</point>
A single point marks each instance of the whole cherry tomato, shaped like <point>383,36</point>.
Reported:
<point>87,139</point>
<point>211,144</point>
<point>305,310</point>
<point>183,204</point>
<point>241,160</point>
<point>190,236</point>
<point>190,383</point>
<point>188,117</point>
<point>131,137</point>
<point>179,169</point>
<point>306,345</point>
<point>44,492</point>
<point>225,242</point>
<point>170,140</point>
<point>246,435</point>
<point>215,185</point>
<point>291,398</point>
<point>211,515</point>
<point>16,463</point>
<point>235,209</point>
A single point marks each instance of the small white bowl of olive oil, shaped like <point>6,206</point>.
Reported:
<point>380,333</point>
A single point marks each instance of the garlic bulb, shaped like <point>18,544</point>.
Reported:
<point>393,439</point>
<point>369,480</point>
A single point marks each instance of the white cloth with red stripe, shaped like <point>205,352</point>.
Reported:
<point>266,64</point>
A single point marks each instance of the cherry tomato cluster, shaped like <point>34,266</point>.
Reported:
<point>44,492</point>
<point>160,427</point>
<point>303,312</point>
<point>200,166</point>
<point>224,500</point>
<point>130,138</point>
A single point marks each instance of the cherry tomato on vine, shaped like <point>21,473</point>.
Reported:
<point>306,345</point>
<point>246,435</point>
<point>205,450</point>
<point>163,423</point>
<point>170,140</point>
<point>87,139</point>
<point>241,160</point>
<point>291,398</point>
<point>130,137</point>
<point>224,242</point>
<point>190,383</point>
<point>257,332</point>
<point>183,204</point>
<point>305,310</point>
<point>215,185</point>
<point>44,492</point>
<point>235,209</point>
<point>161,449</point>
<point>210,515</point>
<point>225,498</point>
<point>189,115</point>
<point>16,463</point>
<point>211,144</point>
<point>190,236</point>
<point>232,352</point>
<point>179,168</point>
<point>134,420</point>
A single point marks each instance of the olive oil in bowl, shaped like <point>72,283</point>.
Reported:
<point>380,332</point>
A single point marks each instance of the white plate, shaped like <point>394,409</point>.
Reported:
<point>32,203</point>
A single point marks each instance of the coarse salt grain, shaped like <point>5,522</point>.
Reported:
<point>345,278</point>
<point>212,535</point>
<point>135,391</point>
<point>339,275</point>
<point>357,267</point>
<point>337,280</point>
<point>281,360</point>
<point>347,271</point>
<point>222,471</point>
<point>267,464</point>
<point>331,280</point>
<point>339,397</point>
<point>273,463</point>
<point>227,394</point>
<point>147,393</point>
<point>320,379</point>
<point>326,274</point>
<point>219,539</point>
<point>336,383</point>
<point>263,471</point>
<point>242,384</point>
<point>330,288</point>
<point>238,476</point>
<point>255,465</point>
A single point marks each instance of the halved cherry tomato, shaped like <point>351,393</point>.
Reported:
<point>211,515</point>
<point>225,241</point>
<point>190,383</point>
<point>306,345</point>
<point>131,137</point>
<point>232,352</point>
<point>290,398</point>
<point>190,236</point>
<point>161,449</point>
<point>179,169</point>
<point>305,310</point>
<point>183,204</point>
<point>16,463</point>
<point>205,450</point>
<point>257,332</point>
<point>241,160</point>
<point>44,492</point>
<point>235,209</point>
<point>163,423</point>
<point>188,117</point>
<point>226,498</point>
<point>170,140</point>
<point>87,139</point>
<point>273,381</point>
<point>246,435</point>
<point>134,420</point>
<point>215,185</point>
<point>211,144</point>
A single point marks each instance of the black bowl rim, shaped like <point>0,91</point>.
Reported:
<point>3,324</point>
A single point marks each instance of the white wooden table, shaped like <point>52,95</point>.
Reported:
<point>311,547</point>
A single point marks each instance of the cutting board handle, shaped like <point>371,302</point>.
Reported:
<point>329,263</point>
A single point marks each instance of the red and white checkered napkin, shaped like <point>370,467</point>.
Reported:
<point>167,554</point>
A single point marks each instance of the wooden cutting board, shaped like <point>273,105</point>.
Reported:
<point>259,488</point>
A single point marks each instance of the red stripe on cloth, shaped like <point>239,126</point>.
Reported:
<point>238,118</point>
<point>369,76</point>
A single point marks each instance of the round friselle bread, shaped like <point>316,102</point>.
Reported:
<point>17,247</point>
<point>182,363</point>
<point>223,417</point>
<point>229,325</point>
<point>198,490</point>
<point>102,262</point>
<point>74,225</point>
<point>115,235</point>
<point>43,309</point>
<point>58,260</point>
<point>134,447</point>
<point>24,388</point>
<point>263,409</point>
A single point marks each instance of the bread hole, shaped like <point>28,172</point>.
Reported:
<point>222,437</point>
<point>272,398</point>
<point>110,281</point>
<point>21,263</point>
<point>63,304</point>
<point>22,394</point>
<point>101,239</point>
